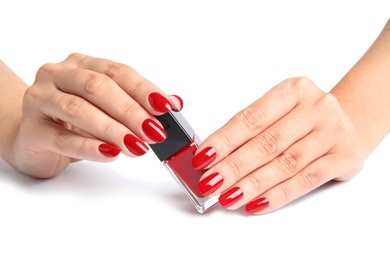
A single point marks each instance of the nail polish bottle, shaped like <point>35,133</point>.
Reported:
<point>176,154</point>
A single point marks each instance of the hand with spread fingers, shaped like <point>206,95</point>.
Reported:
<point>82,108</point>
<point>297,137</point>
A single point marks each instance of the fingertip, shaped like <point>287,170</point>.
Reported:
<point>177,102</point>
<point>109,150</point>
<point>257,205</point>
<point>135,145</point>
<point>203,159</point>
<point>154,131</point>
<point>159,103</point>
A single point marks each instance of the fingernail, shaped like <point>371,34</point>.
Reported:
<point>177,107</point>
<point>154,131</point>
<point>256,205</point>
<point>204,158</point>
<point>230,197</point>
<point>159,102</point>
<point>135,145</point>
<point>109,150</point>
<point>210,184</point>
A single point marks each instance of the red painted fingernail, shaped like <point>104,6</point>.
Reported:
<point>159,102</point>
<point>204,158</point>
<point>210,184</point>
<point>109,150</point>
<point>154,131</point>
<point>135,145</point>
<point>256,205</point>
<point>230,197</point>
<point>181,104</point>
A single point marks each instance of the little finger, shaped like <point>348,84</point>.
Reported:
<point>313,176</point>
<point>282,168</point>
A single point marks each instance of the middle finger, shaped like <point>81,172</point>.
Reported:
<point>258,151</point>
<point>111,99</point>
<point>283,167</point>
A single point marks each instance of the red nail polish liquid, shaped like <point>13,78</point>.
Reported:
<point>177,152</point>
<point>179,162</point>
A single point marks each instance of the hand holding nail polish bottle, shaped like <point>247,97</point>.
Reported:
<point>177,152</point>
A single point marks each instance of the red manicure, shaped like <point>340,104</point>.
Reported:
<point>177,109</point>
<point>177,152</point>
<point>204,158</point>
<point>109,150</point>
<point>135,145</point>
<point>210,184</point>
<point>230,197</point>
<point>256,205</point>
<point>159,102</point>
<point>154,131</point>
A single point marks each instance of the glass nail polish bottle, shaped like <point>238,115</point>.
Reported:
<point>177,152</point>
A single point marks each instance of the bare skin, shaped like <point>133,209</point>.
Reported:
<point>297,137</point>
<point>287,143</point>
<point>83,108</point>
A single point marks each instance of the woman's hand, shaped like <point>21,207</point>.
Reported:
<point>87,108</point>
<point>297,137</point>
<point>287,143</point>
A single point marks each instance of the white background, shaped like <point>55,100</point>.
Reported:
<point>219,56</point>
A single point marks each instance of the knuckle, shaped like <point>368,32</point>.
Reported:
<point>253,118</point>
<point>108,128</point>
<point>130,109</point>
<point>45,69</point>
<point>301,83</point>
<point>82,146</point>
<point>75,57</point>
<point>308,180</point>
<point>61,140</point>
<point>328,101</point>
<point>235,166</point>
<point>268,142</point>
<point>283,193</point>
<point>94,83</point>
<point>222,138</point>
<point>287,163</point>
<point>142,84</point>
<point>298,84</point>
<point>113,69</point>
<point>71,106</point>
<point>255,182</point>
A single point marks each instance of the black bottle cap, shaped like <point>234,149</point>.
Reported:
<point>179,132</point>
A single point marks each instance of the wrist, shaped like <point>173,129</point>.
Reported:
<point>364,92</point>
<point>8,139</point>
<point>12,90</point>
<point>367,130</point>
<point>366,101</point>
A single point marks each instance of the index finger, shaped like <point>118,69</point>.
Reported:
<point>250,122</point>
<point>146,93</point>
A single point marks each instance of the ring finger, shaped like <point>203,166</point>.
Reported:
<point>258,151</point>
<point>308,179</point>
<point>83,115</point>
<point>282,168</point>
<point>147,94</point>
<point>105,94</point>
